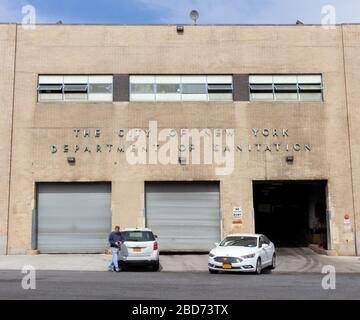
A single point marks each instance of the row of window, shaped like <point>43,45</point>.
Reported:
<point>286,88</point>
<point>180,88</point>
<point>75,88</point>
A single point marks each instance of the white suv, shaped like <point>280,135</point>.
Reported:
<point>139,248</point>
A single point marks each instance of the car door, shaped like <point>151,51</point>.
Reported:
<point>262,251</point>
<point>269,250</point>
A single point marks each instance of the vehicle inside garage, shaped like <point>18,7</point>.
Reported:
<point>291,213</point>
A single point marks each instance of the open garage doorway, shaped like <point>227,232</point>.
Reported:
<point>291,213</point>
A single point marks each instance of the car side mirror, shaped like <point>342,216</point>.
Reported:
<point>156,236</point>
<point>216,244</point>
<point>264,245</point>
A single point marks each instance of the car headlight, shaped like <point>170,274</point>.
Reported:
<point>249,256</point>
<point>211,255</point>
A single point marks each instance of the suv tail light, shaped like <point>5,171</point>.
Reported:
<point>155,245</point>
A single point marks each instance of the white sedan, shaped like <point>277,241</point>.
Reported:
<point>242,253</point>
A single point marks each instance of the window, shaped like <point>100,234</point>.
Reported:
<point>75,88</point>
<point>239,241</point>
<point>138,236</point>
<point>180,88</point>
<point>286,88</point>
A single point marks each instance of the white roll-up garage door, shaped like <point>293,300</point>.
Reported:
<point>184,215</point>
<point>73,217</point>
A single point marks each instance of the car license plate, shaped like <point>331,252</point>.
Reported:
<point>136,249</point>
<point>227,266</point>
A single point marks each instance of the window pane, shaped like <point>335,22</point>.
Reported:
<point>286,87</point>
<point>194,97</point>
<point>220,89</point>
<point>168,88</point>
<point>311,96</point>
<point>286,96</point>
<point>193,79</point>
<point>101,79</point>
<point>50,88</point>
<point>285,79</point>
<point>261,79</point>
<point>142,88</point>
<point>142,97</point>
<point>220,96</point>
<point>195,88</point>
<point>100,88</point>
<point>167,79</point>
<point>75,88</point>
<point>51,79</point>
<point>50,96</point>
<point>261,88</point>
<point>219,79</point>
<point>262,96</point>
<point>76,79</point>
<point>310,87</point>
<point>310,79</point>
<point>286,92</point>
<point>142,79</point>
<point>100,97</point>
<point>168,97</point>
<point>75,96</point>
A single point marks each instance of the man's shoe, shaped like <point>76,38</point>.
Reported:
<point>117,270</point>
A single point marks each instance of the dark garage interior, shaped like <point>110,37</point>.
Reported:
<point>291,213</point>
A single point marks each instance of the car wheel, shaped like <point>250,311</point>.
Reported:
<point>121,265</point>
<point>156,266</point>
<point>273,263</point>
<point>258,266</point>
<point>213,271</point>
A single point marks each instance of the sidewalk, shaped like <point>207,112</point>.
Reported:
<point>302,260</point>
<point>96,262</point>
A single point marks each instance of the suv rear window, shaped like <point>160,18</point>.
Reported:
<point>138,236</point>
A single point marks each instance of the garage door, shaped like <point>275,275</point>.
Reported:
<point>73,217</point>
<point>184,215</point>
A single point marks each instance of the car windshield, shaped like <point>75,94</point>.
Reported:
<point>138,236</point>
<point>239,242</point>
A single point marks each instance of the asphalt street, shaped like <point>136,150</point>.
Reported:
<point>142,284</point>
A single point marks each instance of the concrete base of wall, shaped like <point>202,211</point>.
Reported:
<point>31,252</point>
<point>319,250</point>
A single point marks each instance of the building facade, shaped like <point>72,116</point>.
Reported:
<point>100,126</point>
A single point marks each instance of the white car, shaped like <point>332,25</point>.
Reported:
<point>139,248</point>
<point>242,253</point>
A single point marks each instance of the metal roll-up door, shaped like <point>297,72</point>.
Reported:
<point>73,217</point>
<point>184,215</point>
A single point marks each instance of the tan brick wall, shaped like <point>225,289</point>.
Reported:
<point>159,49</point>
<point>352,69</point>
<point>7,56</point>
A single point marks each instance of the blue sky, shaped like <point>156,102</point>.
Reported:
<point>177,11</point>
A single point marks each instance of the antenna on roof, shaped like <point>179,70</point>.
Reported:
<point>194,15</point>
<point>299,22</point>
<point>59,22</point>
